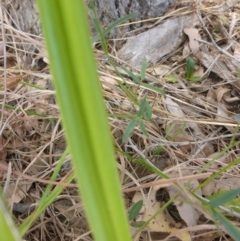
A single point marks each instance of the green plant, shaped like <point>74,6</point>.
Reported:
<point>9,230</point>
<point>213,206</point>
<point>145,110</point>
<point>190,69</point>
<point>84,116</point>
<point>87,131</point>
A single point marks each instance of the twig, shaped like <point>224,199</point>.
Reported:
<point>166,182</point>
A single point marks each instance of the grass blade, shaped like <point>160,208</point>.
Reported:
<point>9,231</point>
<point>84,117</point>
<point>114,25</point>
<point>224,198</point>
<point>230,228</point>
<point>142,127</point>
<point>129,129</point>
<point>154,88</point>
<point>132,75</point>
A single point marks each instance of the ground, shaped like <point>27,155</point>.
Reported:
<point>187,122</point>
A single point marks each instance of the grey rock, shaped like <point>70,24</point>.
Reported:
<point>157,42</point>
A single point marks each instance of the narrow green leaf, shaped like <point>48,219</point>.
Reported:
<point>145,110</point>
<point>230,228</point>
<point>154,88</point>
<point>215,175</point>
<point>128,93</point>
<point>132,75</point>
<point>195,78</point>
<point>84,117</point>
<point>139,224</point>
<point>129,129</point>
<point>189,68</point>
<point>148,111</point>
<point>158,150</point>
<point>143,69</point>
<point>133,213</point>
<point>142,127</point>
<point>224,198</point>
<point>151,167</point>
<point>44,203</point>
<point>141,108</point>
<point>9,231</point>
<point>114,25</point>
<point>46,198</point>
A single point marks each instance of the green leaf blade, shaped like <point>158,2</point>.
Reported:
<point>129,129</point>
<point>142,127</point>
<point>154,88</point>
<point>84,117</point>
<point>189,68</point>
<point>133,213</point>
<point>224,198</point>
<point>9,231</point>
<point>230,228</point>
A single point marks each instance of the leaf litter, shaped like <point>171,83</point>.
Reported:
<point>190,124</point>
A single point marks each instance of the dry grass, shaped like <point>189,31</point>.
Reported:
<point>32,139</point>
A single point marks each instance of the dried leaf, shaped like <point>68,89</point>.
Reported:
<point>225,159</point>
<point>225,184</point>
<point>216,97</point>
<point>3,151</point>
<point>175,130</point>
<point>174,108</point>
<point>107,82</point>
<point>163,222</point>
<point>187,210</point>
<point>199,71</point>
<point>193,35</point>
<point>160,70</point>
<point>237,51</point>
<point>12,81</point>
<point>15,195</point>
<point>221,92</point>
<point>3,171</point>
<point>225,68</point>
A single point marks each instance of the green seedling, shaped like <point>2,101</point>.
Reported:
<point>144,112</point>
<point>190,69</point>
